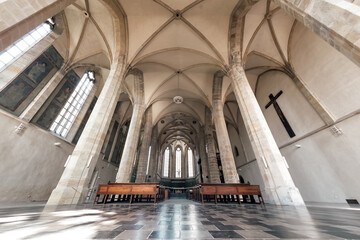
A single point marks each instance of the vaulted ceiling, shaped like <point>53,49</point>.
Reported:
<point>178,45</point>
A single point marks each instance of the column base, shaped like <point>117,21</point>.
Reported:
<point>283,195</point>
<point>66,196</point>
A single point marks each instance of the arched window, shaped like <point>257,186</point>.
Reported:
<point>148,161</point>
<point>71,109</point>
<point>178,163</point>
<point>190,163</point>
<point>166,162</point>
<point>15,50</point>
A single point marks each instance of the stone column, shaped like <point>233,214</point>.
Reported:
<point>184,163</point>
<point>227,157</point>
<point>160,165</point>
<point>153,160</point>
<point>144,149</point>
<point>279,186</point>
<point>211,152</point>
<point>129,154</point>
<point>195,165</point>
<point>73,185</point>
<point>203,156</point>
<point>21,18</point>
<point>130,149</point>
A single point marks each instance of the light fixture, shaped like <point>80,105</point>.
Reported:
<point>178,99</point>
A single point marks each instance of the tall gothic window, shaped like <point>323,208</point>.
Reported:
<point>166,162</point>
<point>178,163</point>
<point>15,50</point>
<point>71,109</point>
<point>190,163</point>
<point>148,161</point>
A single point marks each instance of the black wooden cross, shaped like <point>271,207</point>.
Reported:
<point>280,113</point>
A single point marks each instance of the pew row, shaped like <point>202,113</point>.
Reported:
<point>129,191</point>
<point>227,191</point>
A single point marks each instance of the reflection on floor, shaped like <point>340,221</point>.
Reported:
<point>179,219</point>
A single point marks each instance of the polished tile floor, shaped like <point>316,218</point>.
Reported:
<point>179,219</point>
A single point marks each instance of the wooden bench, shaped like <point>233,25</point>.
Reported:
<point>123,190</point>
<point>230,189</point>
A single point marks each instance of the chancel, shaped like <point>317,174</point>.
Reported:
<point>159,119</point>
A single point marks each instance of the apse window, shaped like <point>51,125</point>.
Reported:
<point>166,162</point>
<point>190,163</point>
<point>18,48</point>
<point>71,109</point>
<point>178,163</point>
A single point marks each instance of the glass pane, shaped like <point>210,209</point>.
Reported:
<point>14,51</point>
<point>63,122</point>
<point>67,115</point>
<point>62,112</point>
<point>36,35</point>
<point>58,130</point>
<point>58,119</point>
<point>22,45</point>
<point>53,127</point>
<point>29,40</point>
<point>42,30</point>
<point>5,57</point>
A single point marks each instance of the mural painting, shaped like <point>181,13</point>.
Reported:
<point>71,79</point>
<point>17,91</point>
<point>49,115</point>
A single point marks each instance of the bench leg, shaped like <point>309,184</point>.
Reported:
<point>238,198</point>
<point>202,198</point>
<point>105,198</point>
<point>154,198</point>
<point>131,196</point>
<point>215,198</point>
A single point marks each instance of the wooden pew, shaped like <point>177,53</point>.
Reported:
<point>129,189</point>
<point>230,189</point>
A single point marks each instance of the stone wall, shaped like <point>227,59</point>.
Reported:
<point>31,163</point>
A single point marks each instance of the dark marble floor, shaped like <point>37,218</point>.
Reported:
<point>180,219</point>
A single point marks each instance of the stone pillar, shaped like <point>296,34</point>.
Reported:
<point>160,165</point>
<point>129,154</point>
<point>130,149</point>
<point>211,152</point>
<point>20,17</point>
<point>184,163</point>
<point>153,159</point>
<point>73,185</point>
<point>334,21</point>
<point>144,149</point>
<point>279,186</point>
<point>227,157</point>
<point>203,157</point>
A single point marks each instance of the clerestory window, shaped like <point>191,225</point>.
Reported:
<point>71,109</point>
<point>18,48</point>
<point>190,163</point>
<point>178,163</point>
<point>166,162</point>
